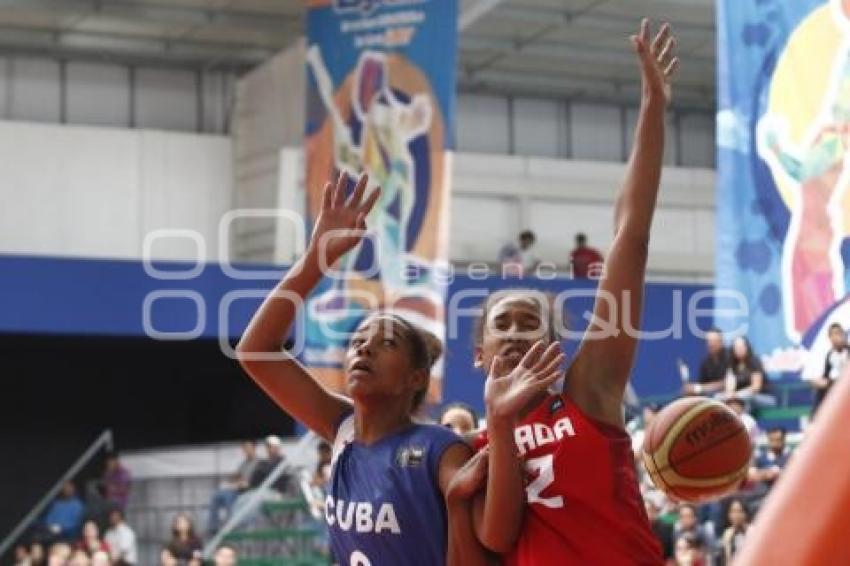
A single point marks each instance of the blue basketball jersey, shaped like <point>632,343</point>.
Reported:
<point>384,505</point>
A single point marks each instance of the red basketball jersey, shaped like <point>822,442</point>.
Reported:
<point>584,504</point>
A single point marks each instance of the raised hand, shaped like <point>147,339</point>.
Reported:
<point>341,224</point>
<point>507,391</point>
<point>658,63</point>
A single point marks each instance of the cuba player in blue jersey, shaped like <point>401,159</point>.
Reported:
<point>400,491</point>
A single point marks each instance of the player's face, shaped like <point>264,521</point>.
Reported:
<point>378,362</point>
<point>513,324</point>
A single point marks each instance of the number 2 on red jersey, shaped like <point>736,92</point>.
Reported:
<point>546,477</point>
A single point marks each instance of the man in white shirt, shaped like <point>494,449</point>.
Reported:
<point>836,361</point>
<point>121,540</point>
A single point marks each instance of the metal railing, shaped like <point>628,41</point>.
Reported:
<point>102,441</point>
<point>257,497</point>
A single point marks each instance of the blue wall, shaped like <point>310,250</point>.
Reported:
<point>106,297</point>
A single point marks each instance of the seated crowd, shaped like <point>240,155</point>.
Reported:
<point>94,532</point>
<point>712,533</point>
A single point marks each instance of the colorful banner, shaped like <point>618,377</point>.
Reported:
<point>783,130</point>
<point>380,99</point>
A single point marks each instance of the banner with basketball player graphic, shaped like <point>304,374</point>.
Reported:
<point>380,99</point>
<point>783,135</point>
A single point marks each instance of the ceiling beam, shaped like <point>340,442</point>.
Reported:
<point>580,88</point>
<point>162,13</point>
<point>563,51</point>
<point>474,11</point>
<point>118,48</point>
<point>548,16</point>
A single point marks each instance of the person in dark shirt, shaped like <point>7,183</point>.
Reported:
<point>663,530</point>
<point>185,545</point>
<point>746,378</point>
<point>713,368</point>
<point>770,462</point>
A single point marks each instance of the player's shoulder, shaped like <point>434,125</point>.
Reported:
<point>434,433</point>
<point>554,405</point>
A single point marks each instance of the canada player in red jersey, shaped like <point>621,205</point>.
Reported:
<point>582,501</point>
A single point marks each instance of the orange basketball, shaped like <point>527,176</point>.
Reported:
<point>696,449</point>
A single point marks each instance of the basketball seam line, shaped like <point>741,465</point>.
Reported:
<point>672,466</point>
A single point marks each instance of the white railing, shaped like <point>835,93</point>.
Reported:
<point>258,496</point>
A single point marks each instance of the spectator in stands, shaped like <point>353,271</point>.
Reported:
<point>459,417</point>
<point>739,524</point>
<point>688,524</point>
<point>638,428</point>
<point>116,481</point>
<point>226,495</point>
<point>225,555</point>
<point>739,407</point>
<point>37,554</point>
<point>166,558</point>
<point>746,378</point>
<point>184,545</point>
<point>91,541</point>
<point>519,259</point>
<point>98,507</point>
<point>663,530</point>
<point>121,540</point>
<point>770,462</point>
<point>586,262</point>
<point>22,555</point>
<point>713,368</point>
<point>274,457</point>
<point>322,474</point>
<point>264,468</point>
<point>836,360</point>
<point>65,515</point>
<point>101,558</point>
<point>690,551</point>
<point>59,554</point>
<point>79,557</point>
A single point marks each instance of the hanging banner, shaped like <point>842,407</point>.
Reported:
<point>380,99</point>
<point>783,133</point>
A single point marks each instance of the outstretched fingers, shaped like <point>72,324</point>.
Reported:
<point>327,196</point>
<point>661,38</point>
<point>548,356</point>
<point>672,68</point>
<point>359,190</point>
<point>532,356</point>
<point>339,190</point>
<point>366,207</point>
<point>554,365</point>
<point>666,54</point>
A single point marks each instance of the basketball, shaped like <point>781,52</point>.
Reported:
<point>696,449</point>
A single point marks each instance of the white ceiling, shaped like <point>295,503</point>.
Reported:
<point>550,48</point>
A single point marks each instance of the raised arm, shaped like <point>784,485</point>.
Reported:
<point>597,379</point>
<point>285,380</point>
